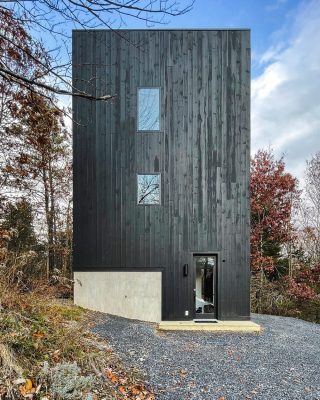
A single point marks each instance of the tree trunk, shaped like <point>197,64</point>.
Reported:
<point>261,276</point>
<point>49,221</point>
<point>66,267</point>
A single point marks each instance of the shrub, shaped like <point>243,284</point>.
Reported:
<point>66,382</point>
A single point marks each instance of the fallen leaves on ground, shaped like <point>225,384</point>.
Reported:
<point>232,353</point>
<point>28,388</point>
<point>38,334</point>
<point>135,391</point>
<point>183,372</point>
<point>56,355</point>
<point>36,328</point>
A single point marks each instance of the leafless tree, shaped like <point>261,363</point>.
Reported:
<point>149,189</point>
<point>54,19</point>
<point>310,210</point>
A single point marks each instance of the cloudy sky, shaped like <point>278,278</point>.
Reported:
<point>286,94</point>
<point>285,39</point>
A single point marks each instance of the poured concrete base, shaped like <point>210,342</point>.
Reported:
<point>220,326</point>
<point>129,294</point>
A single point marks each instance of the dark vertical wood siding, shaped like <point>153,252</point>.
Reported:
<point>202,153</point>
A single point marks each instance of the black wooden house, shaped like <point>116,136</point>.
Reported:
<point>161,173</point>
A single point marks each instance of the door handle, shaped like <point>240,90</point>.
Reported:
<point>185,270</point>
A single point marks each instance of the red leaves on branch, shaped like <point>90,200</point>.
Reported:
<point>261,262</point>
<point>302,286</point>
<point>19,52</point>
<point>23,56</point>
<point>300,291</point>
<point>311,275</point>
<point>273,193</point>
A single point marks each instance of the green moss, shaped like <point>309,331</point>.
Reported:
<point>70,313</point>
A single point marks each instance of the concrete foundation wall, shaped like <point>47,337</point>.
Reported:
<point>135,295</point>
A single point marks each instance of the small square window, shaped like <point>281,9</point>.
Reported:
<point>149,189</point>
<point>148,109</point>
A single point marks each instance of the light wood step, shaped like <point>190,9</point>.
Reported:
<point>219,326</point>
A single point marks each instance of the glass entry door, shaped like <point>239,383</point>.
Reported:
<point>205,274</point>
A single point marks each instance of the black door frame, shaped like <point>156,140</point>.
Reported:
<point>206,254</point>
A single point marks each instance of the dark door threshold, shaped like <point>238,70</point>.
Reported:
<point>205,321</point>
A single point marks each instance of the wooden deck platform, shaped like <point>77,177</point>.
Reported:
<point>219,326</point>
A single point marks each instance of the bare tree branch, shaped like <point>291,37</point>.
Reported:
<point>57,17</point>
<point>7,74</point>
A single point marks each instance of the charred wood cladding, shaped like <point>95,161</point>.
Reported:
<point>161,173</point>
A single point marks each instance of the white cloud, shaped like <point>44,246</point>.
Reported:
<point>286,96</point>
<point>275,5</point>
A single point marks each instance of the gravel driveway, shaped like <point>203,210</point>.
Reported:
<point>282,362</point>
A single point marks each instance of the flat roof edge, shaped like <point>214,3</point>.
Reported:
<point>158,30</point>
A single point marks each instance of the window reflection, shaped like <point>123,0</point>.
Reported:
<point>148,109</point>
<point>205,285</point>
<point>149,189</point>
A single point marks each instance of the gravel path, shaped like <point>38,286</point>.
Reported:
<point>282,362</point>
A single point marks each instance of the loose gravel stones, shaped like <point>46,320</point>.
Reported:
<point>280,363</point>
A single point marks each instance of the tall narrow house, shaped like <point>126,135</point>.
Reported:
<point>161,173</point>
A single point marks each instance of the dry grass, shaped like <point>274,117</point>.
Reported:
<point>36,328</point>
